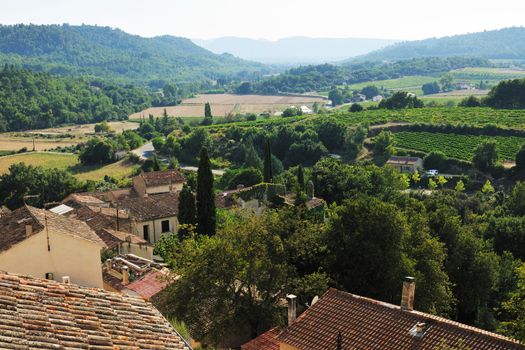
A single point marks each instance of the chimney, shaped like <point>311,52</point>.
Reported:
<point>407,297</point>
<point>125,275</point>
<point>29,229</point>
<point>65,279</point>
<point>292,308</point>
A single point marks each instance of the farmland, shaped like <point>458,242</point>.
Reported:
<point>486,73</point>
<point>409,83</point>
<point>68,161</point>
<point>456,146</point>
<point>225,104</point>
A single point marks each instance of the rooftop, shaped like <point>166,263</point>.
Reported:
<point>46,314</point>
<point>161,178</point>
<point>403,160</point>
<point>369,324</point>
<point>155,206</point>
<point>13,226</point>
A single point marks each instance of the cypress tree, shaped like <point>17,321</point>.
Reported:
<point>187,210</point>
<point>206,215</point>
<point>268,167</point>
<point>300,178</point>
<point>207,110</point>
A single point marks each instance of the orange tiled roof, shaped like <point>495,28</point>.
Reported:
<point>46,314</point>
<point>368,324</point>
<point>160,178</point>
<point>265,341</point>
<point>149,285</point>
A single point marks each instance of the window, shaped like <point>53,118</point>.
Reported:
<point>165,226</point>
<point>146,232</point>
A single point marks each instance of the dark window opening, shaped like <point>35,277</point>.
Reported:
<point>146,232</point>
<point>165,226</point>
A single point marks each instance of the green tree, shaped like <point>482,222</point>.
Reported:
<point>383,144</point>
<point>431,88</point>
<point>300,179</point>
<point>370,91</point>
<point>206,214</point>
<point>187,211</point>
<point>514,307</point>
<point>251,158</point>
<point>416,178</point>
<point>487,188</point>
<point>268,166</point>
<point>432,185</point>
<point>460,186</point>
<point>520,158</point>
<point>102,127</point>
<point>207,110</point>
<point>441,181</point>
<point>435,160</point>
<point>98,151</point>
<point>356,107</point>
<point>485,156</point>
<point>335,96</point>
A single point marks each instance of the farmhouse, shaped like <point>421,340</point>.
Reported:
<point>43,244</point>
<point>158,182</point>
<point>44,314</point>
<point>406,164</point>
<point>340,320</point>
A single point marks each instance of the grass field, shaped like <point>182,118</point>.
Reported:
<point>68,161</point>
<point>405,83</point>
<point>487,74</point>
<point>224,104</point>
<point>456,146</point>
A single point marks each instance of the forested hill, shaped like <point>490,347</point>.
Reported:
<point>325,76</point>
<point>39,100</point>
<point>508,43</point>
<point>113,54</point>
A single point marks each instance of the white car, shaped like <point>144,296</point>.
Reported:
<point>432,173</point>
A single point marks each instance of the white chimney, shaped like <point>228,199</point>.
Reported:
<point>65,279</point>
<point>29,229</point>
<point>292,308</point>
<point>125,275</point>
<point>408,295</point>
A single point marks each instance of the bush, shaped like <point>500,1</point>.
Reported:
<point>435,160</point>
<point>356,107</point>
<point>246,176</point>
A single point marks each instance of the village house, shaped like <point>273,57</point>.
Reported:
<point>340,320</point>
<point>44,314</point>
<point>135,276</point>
<point>408,165</point>
<point>47,245</point>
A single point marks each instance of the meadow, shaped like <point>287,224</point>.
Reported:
<point>456,146</point>
<point>68,161</point>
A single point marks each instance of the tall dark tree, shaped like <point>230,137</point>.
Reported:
<point>207,110</point>
<point>300,178</point>
<point>187,210</point>
<point>206,216</point>
<point>268,166</point>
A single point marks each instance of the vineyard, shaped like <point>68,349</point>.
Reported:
<point>456,146</point>
<point>485,73</point>
<point>511,119</point>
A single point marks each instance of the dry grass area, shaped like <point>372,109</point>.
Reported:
<point>13,143</point>
<point>224,104</point>
<point>85,129</point>
<point>119,170</point>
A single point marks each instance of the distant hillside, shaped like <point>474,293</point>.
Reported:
<point>113,54</point>
<point>294,50</point>
<point>508,43</point>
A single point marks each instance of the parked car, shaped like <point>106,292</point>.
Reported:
<point>432,173</point>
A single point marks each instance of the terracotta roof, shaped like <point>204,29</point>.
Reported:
<point>265,341</point>
<point>46,314</point>
<point>111,212</point>
<point>368,324</point>
<point>155,206</point>
<point>84,199</point>
<point>150,284</point>
<point>13,226</point>
<point>160,178</point>
<point>403,160</point>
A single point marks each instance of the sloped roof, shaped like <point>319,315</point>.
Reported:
<point>155,206</point>
<point>368,324</point>
<point>403,160</point>
<point>13,226</point>
<point>152,283</point>
<point>37,313</point>
<point>161,178</point>
<point>265,341</point>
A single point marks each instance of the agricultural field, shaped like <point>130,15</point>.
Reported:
<point>487,74</point>
<point>68,161</point>
<point>409,83</point>
<point>225,104</point>
<point>479,117</point>
<point>47,139</point>
<point>456,146</point>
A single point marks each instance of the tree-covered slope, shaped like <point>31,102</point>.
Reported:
<point>111,53</point>
<point>508,43</point>
<point>31,100</point>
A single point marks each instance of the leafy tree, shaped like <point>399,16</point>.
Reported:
<point>487,188</point>
<point>416,178</point>
<point>435,160</point>
<point>50,185</point>
<point>516,201</point>
<point>432,185</point>
<point>300,178</point>
<point>244,176</point>
<point>383,143</point>
<point>206,215</point>
<point>471,101</point>
<point>335,96</point>
<point>401,100</point>
<point>431,88</point>
<point>292,112</point>
<point>520,158</point>
<point>251,158</point>
<point>102,127</point>
<point>485,156</point>
<point>514,306</point>
<point>509,94</point>
<point>370,91</point>
<point>356,107</point>
<point>460,186</point>
<point>331,133</point>
<point>98,151</point>
<point>446,82</point>
<point>441,181</point>
<point>268,166</point>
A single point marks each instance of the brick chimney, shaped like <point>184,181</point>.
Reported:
<point>66,279</point>
<point>125,275</point>
<point>29,229</point>
<point>407,297</point>
<point>292,308</point>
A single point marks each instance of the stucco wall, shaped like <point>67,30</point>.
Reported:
<point>137,249</point>
<point>155,228</point>
<point>69,256</point>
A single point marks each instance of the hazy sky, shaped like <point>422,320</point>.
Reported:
<point>273,19</point>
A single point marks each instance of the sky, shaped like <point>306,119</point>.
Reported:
<point>274,19</point>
